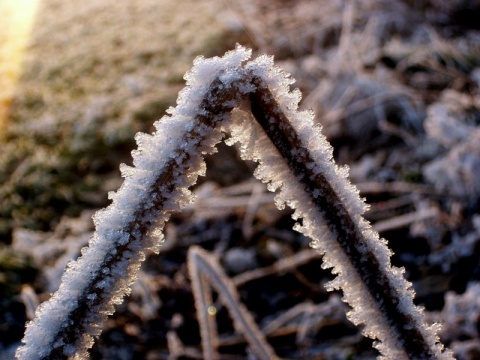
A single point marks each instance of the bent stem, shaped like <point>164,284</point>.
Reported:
<point>266,111</point>
<point>293,156</point>
<point>205,272</point>
<point>66,324</point>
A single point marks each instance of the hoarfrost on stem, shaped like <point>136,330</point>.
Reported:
<point>165,165</point>
<point>294,157</point>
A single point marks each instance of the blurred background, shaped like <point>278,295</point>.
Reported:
<point>395,85</point>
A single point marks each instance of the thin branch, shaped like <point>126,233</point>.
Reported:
<point>293,155</point>
<point>204,269</point>
<point>362,254</point>
<point>65,325</point>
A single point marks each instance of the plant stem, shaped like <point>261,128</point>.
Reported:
<point>92,303</point>
<point>283,136</point>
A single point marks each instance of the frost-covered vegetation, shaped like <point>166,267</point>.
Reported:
<point>294,158</point>
<point>395,86</point>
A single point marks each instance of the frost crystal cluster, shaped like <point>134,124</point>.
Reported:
<point>253,103</point>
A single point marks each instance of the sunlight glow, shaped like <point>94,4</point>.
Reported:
<point>212,310</point>
<point>17,18</point>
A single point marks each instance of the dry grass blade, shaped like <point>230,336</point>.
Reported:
<point>282,265</point>
<point>102,276</point>
<point>295,157</point>
<point>410,339</point>
<point>205,272</point>
<point>401,221</point>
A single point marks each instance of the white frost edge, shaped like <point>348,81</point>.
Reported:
<point>153,152</point>
<point>255,145</point>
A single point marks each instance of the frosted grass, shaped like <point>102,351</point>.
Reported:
<point>294,159</point>
<point>166,164</point>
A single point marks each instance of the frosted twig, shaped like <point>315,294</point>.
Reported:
<point>305,316</point>
<point>177,350</point>
<point>280,266</point>
<point>225,203</point>
<point>253,203</point>
<point>174,344</point>
<point>386,209</point>
<point>205,272</point>
<point>30,300</point>
<point>293,156</point>
<point>405,220</point>
<point>166,164</point>
<point>356,253</point>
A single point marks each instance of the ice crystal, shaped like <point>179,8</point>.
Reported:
<point>294,158</point>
